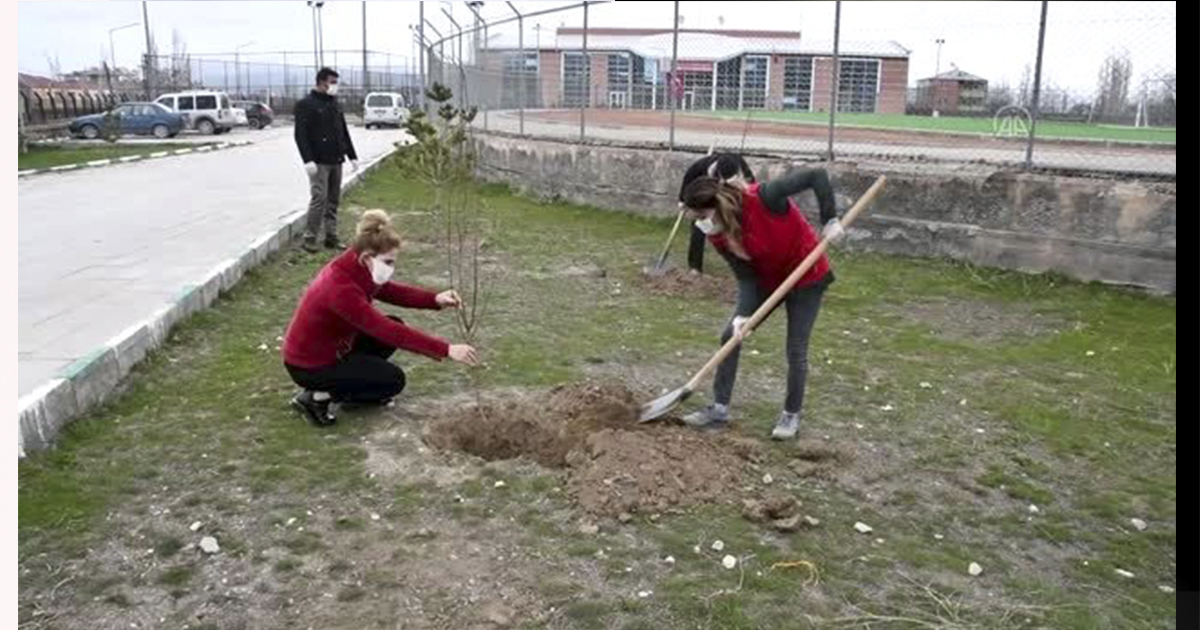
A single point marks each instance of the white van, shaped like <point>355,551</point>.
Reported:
<point>384,109</point>
<point>205,111</point>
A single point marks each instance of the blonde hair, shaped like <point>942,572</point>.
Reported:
<point>725,199</point>
<point>375,234</point>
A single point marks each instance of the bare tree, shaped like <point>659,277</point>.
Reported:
<point>55,67</point>
<point>181,67</point>
<point>1112,89</point>
<point>999,96</point>
<point>1025,88</point>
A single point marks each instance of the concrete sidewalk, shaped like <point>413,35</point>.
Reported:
<point>101,250</point>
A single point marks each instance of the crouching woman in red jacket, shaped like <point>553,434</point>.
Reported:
<point>338,344</point>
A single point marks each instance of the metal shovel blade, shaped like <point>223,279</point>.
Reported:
<point>657,266</point>
<point>662,405</point>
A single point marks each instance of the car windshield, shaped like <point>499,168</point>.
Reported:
<point>159,108</point>
<point>379,100</point>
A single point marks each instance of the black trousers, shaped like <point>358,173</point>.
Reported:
<point>696,249</point>
<point>364,375</point>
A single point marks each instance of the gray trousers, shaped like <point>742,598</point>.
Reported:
<point>325,188</point>
<point>802,307</point>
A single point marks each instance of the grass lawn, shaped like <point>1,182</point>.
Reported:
<point>954,124</point>
<point>964,395</point>
<point>50,156</point>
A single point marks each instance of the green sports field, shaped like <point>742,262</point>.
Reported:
<point>957,125</point>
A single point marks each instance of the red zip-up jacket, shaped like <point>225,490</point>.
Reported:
<point>337,307</point>
<point>776,243</point>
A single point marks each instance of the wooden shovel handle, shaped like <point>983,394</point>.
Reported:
<point>787,285</point>
<point>667,248</point>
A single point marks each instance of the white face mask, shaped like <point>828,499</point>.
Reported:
<point>381,272</point>
<point>708,226</point>
<point>332,90</point>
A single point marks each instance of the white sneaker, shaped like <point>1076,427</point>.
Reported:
<point>712,416</point>
<point>786,427</point>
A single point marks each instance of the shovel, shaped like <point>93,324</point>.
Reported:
<point>658,266</point>
<point>660,406</point>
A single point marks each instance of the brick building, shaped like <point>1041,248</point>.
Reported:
<point>717,70</point>
<point>953,92</point>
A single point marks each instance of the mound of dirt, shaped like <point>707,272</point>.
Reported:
<point>614,465</point>
<point>654,470</point>
<point>681,283</point>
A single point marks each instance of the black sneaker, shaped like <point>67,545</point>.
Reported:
<point>317,412</point>
<point>310,245</point>
<point>333,243</point>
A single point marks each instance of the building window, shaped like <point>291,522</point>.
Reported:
<point>858,85</point>
<point>518,69</point>
<point>754,82</point>
<point>697,89</point>
<point>729,77</point>
<point>620,73</point>
<point>575,79</point>
<point>797,83</point>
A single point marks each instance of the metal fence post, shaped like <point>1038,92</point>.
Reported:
<point>421,45</point>
<point>521,69</point>
<point>1037,88</point>
<point>674,74</point>
<point>587,78</point>
<point>833,91</point>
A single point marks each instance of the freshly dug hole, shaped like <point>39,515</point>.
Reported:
<point>614,464</point>
<point>681,283</point>
<point>544,427</point>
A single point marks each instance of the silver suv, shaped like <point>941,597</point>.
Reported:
<point>205,111</point>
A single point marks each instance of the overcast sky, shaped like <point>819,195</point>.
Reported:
<point>991,39</point>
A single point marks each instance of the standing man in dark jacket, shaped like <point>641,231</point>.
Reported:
<point>324,143</point>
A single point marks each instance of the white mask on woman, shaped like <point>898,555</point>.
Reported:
<point>381,272</point>
<point>708,226</point>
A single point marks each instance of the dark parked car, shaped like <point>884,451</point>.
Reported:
<point>143,119</point>
<point>258,115</point>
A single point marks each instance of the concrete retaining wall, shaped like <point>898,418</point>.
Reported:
<point>91,380</point>
<point>1118,231</point>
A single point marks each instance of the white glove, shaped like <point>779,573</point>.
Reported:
<point>354,165</point>
<point>833,231</point>
<point>310,168</point>
<point>739,323</point>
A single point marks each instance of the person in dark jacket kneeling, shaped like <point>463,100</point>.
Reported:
<point>338,344</point>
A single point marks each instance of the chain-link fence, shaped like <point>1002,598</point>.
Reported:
<point>1065,85</point>
<point>279,79</point>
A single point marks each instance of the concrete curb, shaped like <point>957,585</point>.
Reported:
<point>92,379</point>
<point>132,158</point>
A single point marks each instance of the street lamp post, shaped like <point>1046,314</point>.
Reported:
<point>112,51</point>
<point>937,69</point>
<point>318,36</point>
<point>237,67</point>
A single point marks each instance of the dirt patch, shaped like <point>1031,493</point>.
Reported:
<point>681,283</point>
<point>818,459</point>
<point>977,320</point>
<point>615,466</point>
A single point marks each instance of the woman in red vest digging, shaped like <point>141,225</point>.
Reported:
<point>338,344</point>
<point>763,236</point>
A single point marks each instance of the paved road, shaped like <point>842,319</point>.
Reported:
<point>102,249</point>
<point>1072,157</point>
